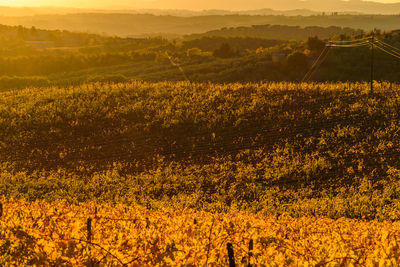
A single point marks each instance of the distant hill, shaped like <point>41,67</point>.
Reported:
<point>282,32</point>
<point>33,11</point>
<point>212,7</point>
<point>17,37</point>
<point>139,25</point>
<point>222,12</point>
<point>369,7</point>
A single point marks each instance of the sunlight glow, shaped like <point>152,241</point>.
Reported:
<point>169,4</point>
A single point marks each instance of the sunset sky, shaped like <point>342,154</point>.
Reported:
<point>173,4</point>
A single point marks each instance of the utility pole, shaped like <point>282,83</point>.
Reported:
<point>372,60</point>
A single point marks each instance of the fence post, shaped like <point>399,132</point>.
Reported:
<point>231,255</point>
<point>251,245</point>
<point>89,229</point>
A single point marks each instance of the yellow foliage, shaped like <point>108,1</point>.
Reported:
<point>42,233</point>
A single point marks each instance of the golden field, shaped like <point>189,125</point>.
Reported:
<point>43,233</point>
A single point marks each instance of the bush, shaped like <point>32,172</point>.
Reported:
<point>15,82</point>
<point>224,51</point>
<point>298,62</point>
<point>315,44</point>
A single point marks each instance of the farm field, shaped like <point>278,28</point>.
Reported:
<point>57,234</point>
<point>171,172</point>
<point>204,133</point>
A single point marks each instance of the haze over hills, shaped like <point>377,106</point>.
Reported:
<point>370,7</point>
<point>278,32</point>
<point>139,25</point>
<point>316,5</point>
<point>33,11</point>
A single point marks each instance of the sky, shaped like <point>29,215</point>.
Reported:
<point>172,4</point>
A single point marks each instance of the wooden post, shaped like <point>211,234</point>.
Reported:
<point>89,229</point>
<point>231,255</point>
<point>251,245</point>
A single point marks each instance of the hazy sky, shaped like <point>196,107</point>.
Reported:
<point>173,4</point>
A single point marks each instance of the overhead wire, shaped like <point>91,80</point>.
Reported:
<point>350,45</point>
<point>351,41</point>
<point>387,49</point>
<point>388,52</point>
<point>314,66</point>
<point>323,55</point>
<point>177,65</point>
<point>388,45</point>
<point>318,65</point>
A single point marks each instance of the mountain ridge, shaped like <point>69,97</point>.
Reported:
<point>257,7</point>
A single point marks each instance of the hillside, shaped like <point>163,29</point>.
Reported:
<point>200,137</point>
<point>36,57</point>
<point>279,32</point>
<point>326,149</point>
<point>135,25</point>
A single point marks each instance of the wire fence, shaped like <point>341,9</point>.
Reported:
<point>91,244</point>
<point>249,259</point>
<point>202,139</point>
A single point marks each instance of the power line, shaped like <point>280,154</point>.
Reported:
<point>323,55</point>
<point>349,45</point>
<point>316,63</point>
<point>388,52</point>
<point>173,63</point>
<point>386,44</point>
<point>387,48</point>
<point>351,41</point>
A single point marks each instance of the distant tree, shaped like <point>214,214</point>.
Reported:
<point>298,62</point>
<point>224,51</point>
<point>193,52</point>
<point>21,32</point>
<point>344,37</point>
<point>315,44</point>
<point>34,32</point>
